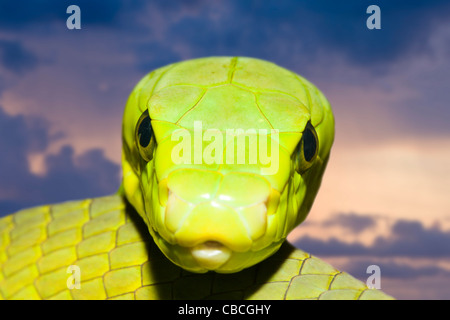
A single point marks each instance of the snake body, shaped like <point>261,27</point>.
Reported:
<point>218,218</point>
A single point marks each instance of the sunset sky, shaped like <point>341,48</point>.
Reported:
<point>385,195</point>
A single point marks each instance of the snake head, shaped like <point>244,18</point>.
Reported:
<point>223,157</point>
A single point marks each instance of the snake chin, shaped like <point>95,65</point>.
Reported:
<point>211,254</point>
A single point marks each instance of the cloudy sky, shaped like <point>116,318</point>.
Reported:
<point>384,199</point>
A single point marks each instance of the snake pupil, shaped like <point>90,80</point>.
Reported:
<point>309,144</point>
<point>145,132</point>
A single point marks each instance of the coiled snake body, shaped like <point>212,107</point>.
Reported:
<point>222,158</point>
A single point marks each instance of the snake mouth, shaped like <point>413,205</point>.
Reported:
<point>211,254</point>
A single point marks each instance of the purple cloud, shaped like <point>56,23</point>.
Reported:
<point>407,238</point>
<point>15,58</point>
<point>353,222</point>
<point>68,176</point>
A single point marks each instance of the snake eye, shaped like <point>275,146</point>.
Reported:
<point>145,138</point>
<point>307,149</point>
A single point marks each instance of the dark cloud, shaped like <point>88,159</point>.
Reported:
<point>13,15</point>
<point>408,259</point>
<point>288,32</point>
<point>331,247</point>
<point>19,135</point>
<point>68,176</point>
<point>292,33</point>
<point>93,12</point>
<point>88,175</point>
<point>353,222</point>
<point>15,58</point>
<point>404,280</point>
<point>392,269</point>
<point>411,238</point>
<point>405,28</point>
<point>406,239</point>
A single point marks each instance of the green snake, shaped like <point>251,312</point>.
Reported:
<point>222,158</point>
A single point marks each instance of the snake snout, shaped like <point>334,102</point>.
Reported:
<point>217,215</point>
